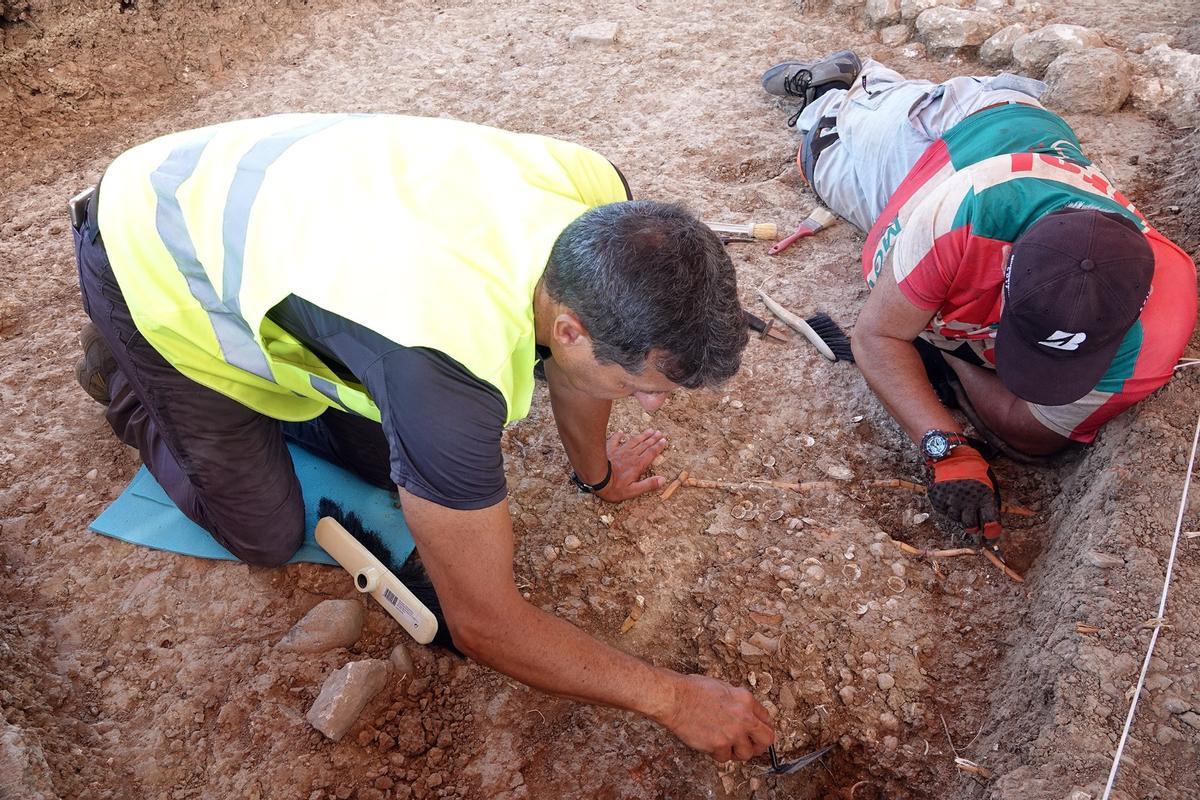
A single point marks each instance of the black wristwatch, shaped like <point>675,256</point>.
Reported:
<point>936,445</point>
<point>591,488</point>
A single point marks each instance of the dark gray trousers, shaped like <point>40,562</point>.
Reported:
<point>225,466</point>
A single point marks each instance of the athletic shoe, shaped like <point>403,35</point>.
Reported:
<point>93,370</point>
<point>807,80</point>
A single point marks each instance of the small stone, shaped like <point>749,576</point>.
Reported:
<point>604,33</point>
<point>1034,51</point>
<point>402,663</point>
<point>1165,734</point>
<point>787,572</point>
<point>1174,704</point>
<point>946,28</point>
<point>386,742</point>
<point>607,519</point>
<point>885,681</point>
<point>736,404</point>
<point>920,518</point>
<point>888,721</point>
<point>1191,718</point>
<point>572,542</point>
<point>92,474</point>
<point>434,780</point>
<point>328,625</point>
<point>893,35</point>
<point>898,569</point>
<point>847,695</point>
<point>815,572</point>
<point>549,552</point>
<point>787,700</point>
<point>345,693</point>
<point>890,743</point>
<point>839,472</point>
<point>1104,560</point>
<point>997,50</point>
<point>765,643</point>
<point>1072,84</point>
<point>749,651</point>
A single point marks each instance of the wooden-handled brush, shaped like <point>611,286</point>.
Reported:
<point>762,231</point>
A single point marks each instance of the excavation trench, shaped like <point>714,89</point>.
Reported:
<point>132,673</point>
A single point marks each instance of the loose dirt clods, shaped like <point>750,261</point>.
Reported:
<point>126,672</point>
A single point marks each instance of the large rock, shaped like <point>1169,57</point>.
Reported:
<point>345,693</point>
<point>1088,81</point>
<point>945,28</point>
<point>1168,85</point>
<point>1034,51</point>
<point>329,625</point>
<point>911,9</point>
<point>882,13</point>
<point>997,50</point>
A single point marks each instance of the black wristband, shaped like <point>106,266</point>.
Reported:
<point>591,488</point>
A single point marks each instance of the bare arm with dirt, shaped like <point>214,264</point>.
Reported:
<point>469,554</point>
<point>1005,414</point>
<point>883,350</point>
<point>962,486</point>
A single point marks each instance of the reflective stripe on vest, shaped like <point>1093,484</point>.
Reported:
<point>432,233</point>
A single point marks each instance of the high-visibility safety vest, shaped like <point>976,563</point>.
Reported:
<point>431,232</point>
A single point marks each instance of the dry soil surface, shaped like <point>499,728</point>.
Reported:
<point>131,673</point>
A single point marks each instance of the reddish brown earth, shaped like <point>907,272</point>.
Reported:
<point>130,673</point>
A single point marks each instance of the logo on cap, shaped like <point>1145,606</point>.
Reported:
<point>1064,340</point>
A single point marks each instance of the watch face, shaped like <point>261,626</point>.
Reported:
<point>936,445</point>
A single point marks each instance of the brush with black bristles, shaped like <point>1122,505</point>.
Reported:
<point>410,572</point>
<point>824,334</point>
<point>831,334</point>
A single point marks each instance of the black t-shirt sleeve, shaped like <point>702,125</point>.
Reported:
<point>443,425</point>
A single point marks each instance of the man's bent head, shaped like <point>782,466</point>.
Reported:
<point>1075,284</point>
<point>655,291</point>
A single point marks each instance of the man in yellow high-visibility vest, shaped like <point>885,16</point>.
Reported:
<point>379,289</point>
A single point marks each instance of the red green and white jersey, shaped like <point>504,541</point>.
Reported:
<point>948,230</point>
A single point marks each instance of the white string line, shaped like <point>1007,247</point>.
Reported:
<point>1162,607</point>
<point>1184,363</point>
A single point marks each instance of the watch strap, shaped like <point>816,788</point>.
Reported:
<point>591,488</point>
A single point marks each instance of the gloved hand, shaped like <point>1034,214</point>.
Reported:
<point>964,489</point>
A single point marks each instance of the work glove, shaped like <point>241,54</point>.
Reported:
<point>963,488</point>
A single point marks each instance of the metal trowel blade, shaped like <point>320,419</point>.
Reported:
<point>791,767</point>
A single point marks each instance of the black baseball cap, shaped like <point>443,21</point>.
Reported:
<point>1075,283</point>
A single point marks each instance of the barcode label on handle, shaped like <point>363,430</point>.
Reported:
<point>395,602</point>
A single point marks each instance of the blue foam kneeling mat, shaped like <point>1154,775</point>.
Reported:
<point>143,514</point>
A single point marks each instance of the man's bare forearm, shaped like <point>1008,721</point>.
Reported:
<point>894,372</point>
<point>550,654</point>
<point>1005,414</point>
<point>582,423</point>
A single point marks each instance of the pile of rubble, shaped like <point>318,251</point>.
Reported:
<point>1087,71</point>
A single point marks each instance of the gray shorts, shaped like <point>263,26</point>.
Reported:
<point>884,123</point>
